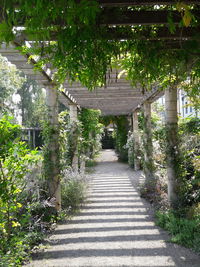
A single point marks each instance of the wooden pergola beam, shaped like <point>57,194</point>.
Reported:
<point>162,33</point>
<point>117,17</point>
<point>112,89</point>
<point>124,18</point>
<point>117,98</point>
<point>121,3</point>
<point>113,98</point>
<point>106,95</point>
<point>129,32</point>
<point>42,77</point>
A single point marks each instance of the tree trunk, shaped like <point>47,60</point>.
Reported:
<point>172,152</point>
<point>148,149</point>
<point>53,147</point>
<point>136,141</point>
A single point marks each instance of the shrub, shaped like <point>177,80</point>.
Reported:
<point>73,190</point>
<point>184,231</point>
<point>120,136</point>
<point>20,227</point>
<point>188,162</point>
<point>130,147</point>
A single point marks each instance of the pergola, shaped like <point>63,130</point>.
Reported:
<point>118,97</point>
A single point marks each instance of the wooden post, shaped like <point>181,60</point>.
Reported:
<point>34,139</point>
<point>148,148</point>
<point>172,143</point>
<point>136,141</point>
<point>73,113</point>
<point>52,161</point>
<point>130,125</point>
<point>29,138</point>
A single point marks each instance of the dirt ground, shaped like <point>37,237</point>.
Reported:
<point>114,228</point>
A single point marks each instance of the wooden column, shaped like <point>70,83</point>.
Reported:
<point>130,125</point>
<point>73,113</point>
<point>136,141</point>
<point>148,148</point>
<point>172,143</point>
<point>52,153</point>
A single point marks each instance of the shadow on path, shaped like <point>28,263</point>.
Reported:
<point>115,228</point>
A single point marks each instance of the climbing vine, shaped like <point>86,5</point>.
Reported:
<point>81,136</point>
<point>120,134</point>
<point>92,130</point>
<point>80,50</point>
<point>131,149</point>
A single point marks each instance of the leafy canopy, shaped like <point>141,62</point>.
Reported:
<point>67,34</point>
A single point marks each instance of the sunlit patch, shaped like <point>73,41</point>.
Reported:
<point>119,194</point>
<point>97,176</point>
<point>112,185</point>
<point>115,210</point>
<point>108,261</point>
<point>152,244</point>
<point>99,200</point>
<point>135,235</point>
<point>117,225</point>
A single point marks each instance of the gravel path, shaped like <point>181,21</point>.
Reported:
<point>115,228</point>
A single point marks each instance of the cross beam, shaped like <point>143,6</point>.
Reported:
<point>117,17</point>
<point>124,18</point>
<point>121,3</point>
<point>161,33</point>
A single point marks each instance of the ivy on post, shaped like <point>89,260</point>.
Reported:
<point>136,141</point>
<point>51,150</point>
<point>73,114</point>
<point>172,153</point>
<point>148,149</point>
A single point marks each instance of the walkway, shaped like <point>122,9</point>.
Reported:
<point>114,229</point>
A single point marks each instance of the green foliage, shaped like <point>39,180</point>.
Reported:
<point>16,161</point>
<point>190,126</point>
<point>6,33</point>
<point>82,137</point>
<point>85,52</point>
<point>10,82</point>
<point>146,64</point>
<point>78,52</point>
<point>159,134</point>
<point>64,122</point>
<point>91,131</point>
<point>32,103</point>
<point>8,132</point>
<point>90,163</point>
<point>190,151</point>
<point>74,139</point>
<point>48,132</point>
<point>131,151</point>
<point>191,87</point>
<point>188,160</point>
<point>19,95</point>
<point>184,231</point>
<point>121,135</point>
<point>70,134</point>
<point>106,120</point>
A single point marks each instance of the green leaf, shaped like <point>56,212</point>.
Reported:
<point>6,34</point>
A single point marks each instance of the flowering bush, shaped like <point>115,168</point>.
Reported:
<point>73,189</point>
